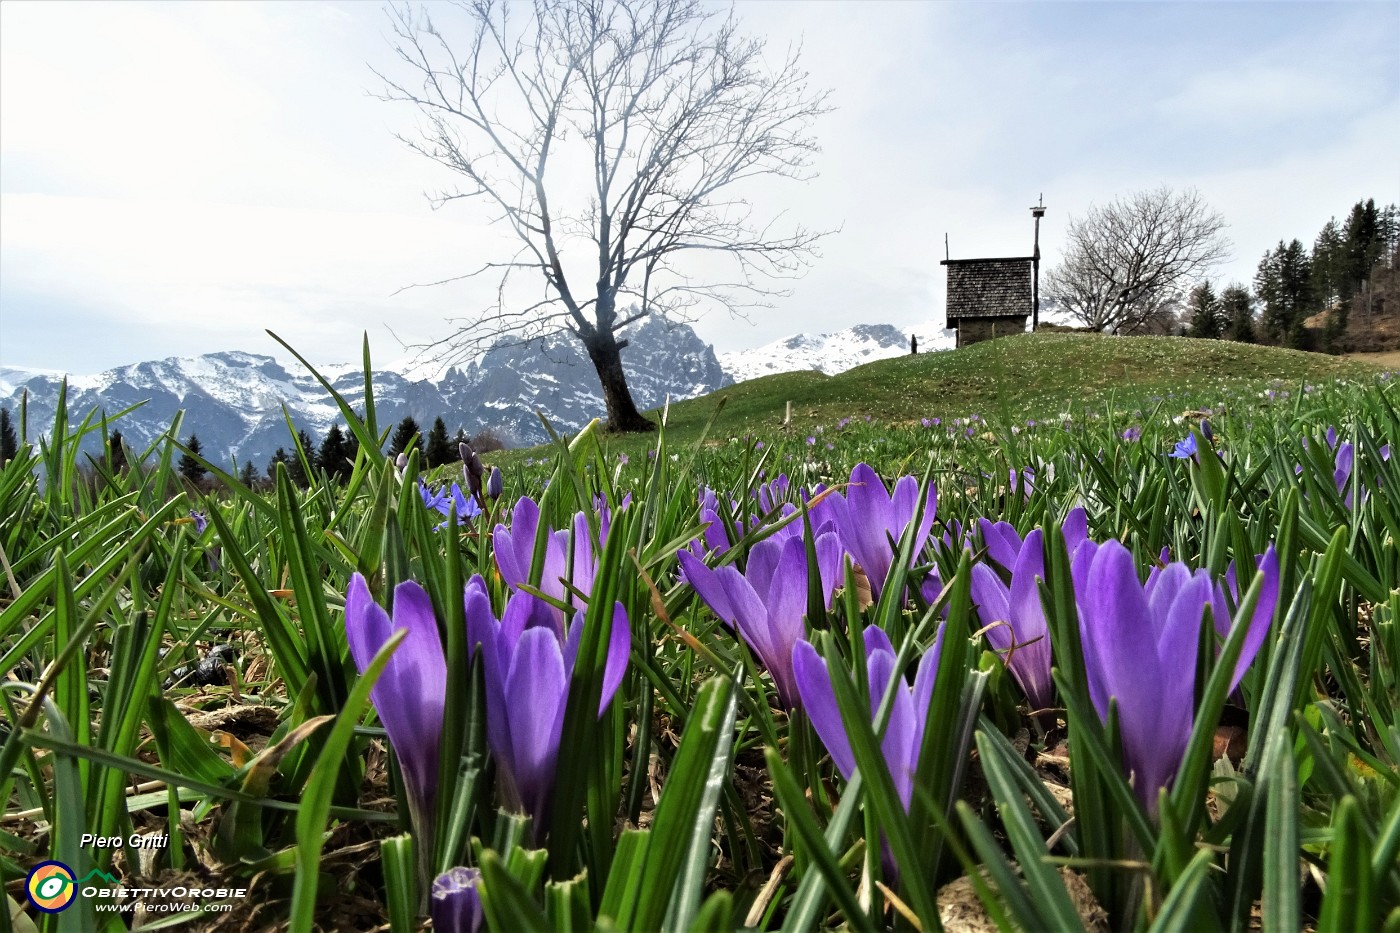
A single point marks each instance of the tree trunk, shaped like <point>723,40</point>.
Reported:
<point>606,354</point>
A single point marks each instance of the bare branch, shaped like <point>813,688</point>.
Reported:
<point>662,105</point>
<point>1128,262</point>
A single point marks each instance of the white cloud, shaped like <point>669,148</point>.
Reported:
<point>176,177</point>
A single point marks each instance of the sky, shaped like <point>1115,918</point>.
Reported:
<point>178,178</point>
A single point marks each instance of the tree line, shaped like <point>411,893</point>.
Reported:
<point>335,454</point>
<point>1141,265</point>
<point>1348,274</point>
<point>1350,268</point>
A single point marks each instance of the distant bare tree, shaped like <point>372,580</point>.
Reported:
<point>1127,263</point>
<point>656,111</point>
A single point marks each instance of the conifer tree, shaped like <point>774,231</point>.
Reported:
<point>280,456</point>
<point>1237,309</point>
<point>300,474</point>
<point>1283,285</point>
<point>439,450</point>
<point>190,468</point>
<point>461,438</point>
<point>248,475</point>
<point>1329,267</point>
<point>405,436</point>
<point>1204,309</point>
<point>332,457</point>
<point>116,452</point>
<point>9,444</point>
<point>1363,244</point>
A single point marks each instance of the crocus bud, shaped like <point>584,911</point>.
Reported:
<point>472,469</point>
<point>401,461</point>
<point>495,485</point>
<point>456,906</point>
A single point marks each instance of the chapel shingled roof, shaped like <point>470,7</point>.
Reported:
<point>988,287</point>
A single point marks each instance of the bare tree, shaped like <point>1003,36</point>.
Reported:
<point>1128,264</point>
<point>657,114</point>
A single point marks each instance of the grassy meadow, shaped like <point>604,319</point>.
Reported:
<point>1053,632</point>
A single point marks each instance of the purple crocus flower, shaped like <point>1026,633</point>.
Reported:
<point>515,550</point>
<point>1344,462</point>
<point>869,518</point>
<point>527,669</point>
<point>1004,543</point>
<point>1267,563</point>
<point>456,904</point>
<point>767,603</point>
<point>1023,482</point>
<point>1132,434</point>
<point>773,494</point>
<point>472,470</point>
<point>410,693</point>
<point>1023,633</point>
<point>904,733</point>
<point>201,522</point>
<point>444,499</point>
<point>1140,649</point>
<point>1184,449</point>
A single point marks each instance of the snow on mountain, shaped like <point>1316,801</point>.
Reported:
<point>829,353</point>
<point>234,401</point>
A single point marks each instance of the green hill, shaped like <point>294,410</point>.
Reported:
<point>1028,373</point>
<point>1029,376</point>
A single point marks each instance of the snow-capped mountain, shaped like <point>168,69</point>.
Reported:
<point>830,353</point>
<point>234,400</point>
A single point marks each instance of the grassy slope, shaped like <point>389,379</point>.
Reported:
<point>1027,376</point>
<point>1025,373</point>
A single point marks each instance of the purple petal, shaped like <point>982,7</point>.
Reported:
<point>923,686</point>
<point>619,648</point>
<point>831,567</point>
<point>1156,741</point>
<point>410,693</point>
<point>750,615</point>
<point>1030,661</point>
<point>456,904</point>
<point>515,548</point>
<point>367,625</point>
<point>898,743</point>
<point>1117,635</point>
<point>585,567</point>
<point>535,688</point>
<point>787,606</point>
<point>763,563</point>
<point>715,537</point>
<point>869,524</point>
<point>1075,528</point>
<point>1263,615</point>
<point>1002,541</point>
<point>819,702</point>
<point>707,583</point>
<point>1162,589</point>
<point>990,599</point>
<point>481,621</point>
<point>525,611</point>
